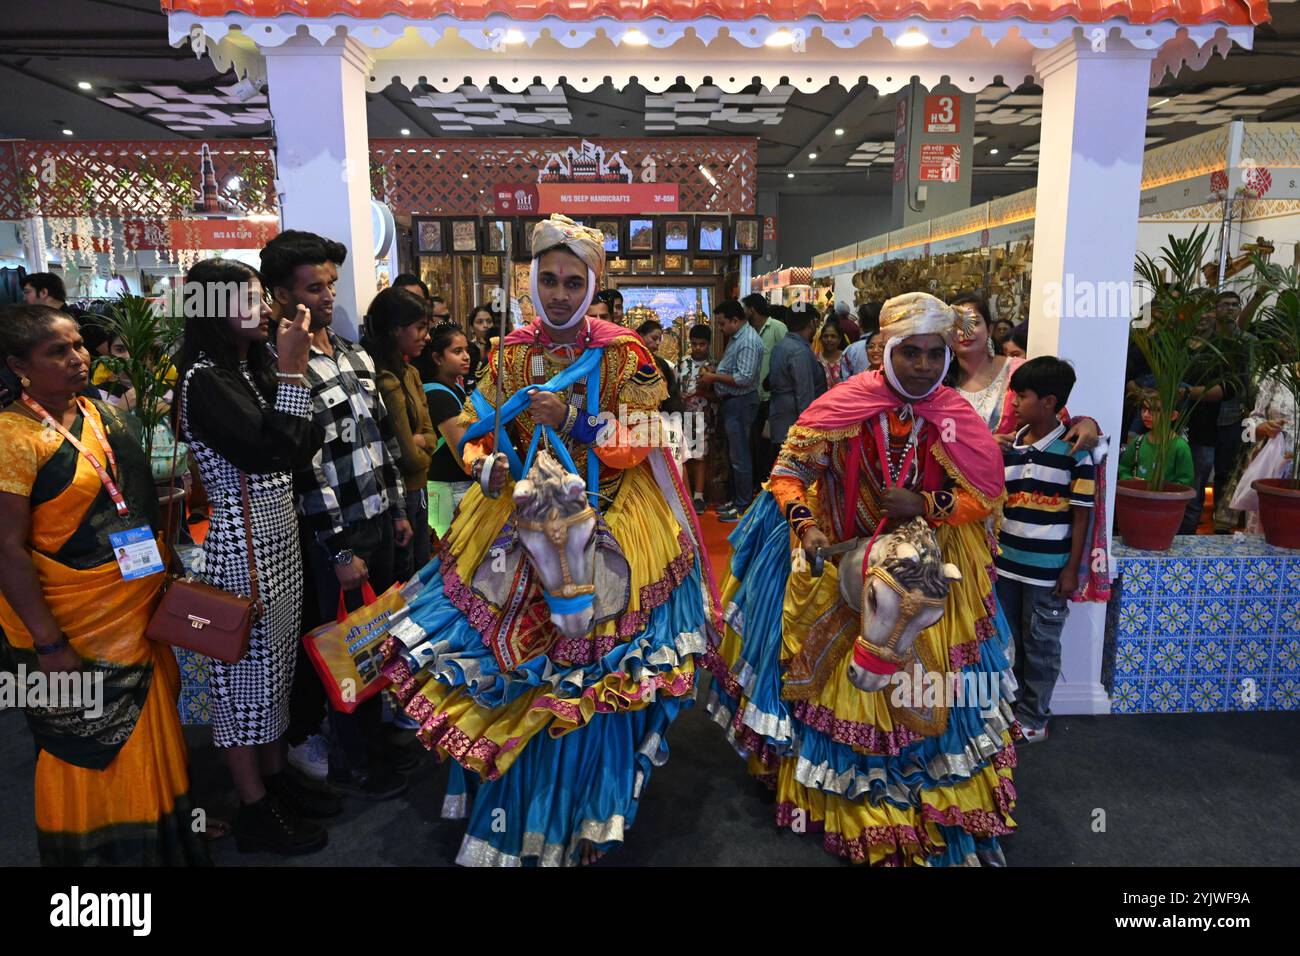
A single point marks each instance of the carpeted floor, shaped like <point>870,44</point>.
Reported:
<point>1190,790</point>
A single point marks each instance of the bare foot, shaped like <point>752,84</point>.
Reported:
<point>588,853</point>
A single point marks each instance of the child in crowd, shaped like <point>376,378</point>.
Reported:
<point>699,412</point>
<point>1137,456</point>
<point>1043,534</point>
<point>449,359</point>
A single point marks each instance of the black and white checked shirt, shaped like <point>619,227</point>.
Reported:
<point>353,477</point>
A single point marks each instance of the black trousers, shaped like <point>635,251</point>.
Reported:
<point>762,451</point>
<point>372,541</point>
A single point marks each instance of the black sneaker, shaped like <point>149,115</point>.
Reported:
<point>399,754</point>
<point>270,825</point>
<point>728,514</point>
<point>303,798</point>
<point>700,505</point>
<point>377,782</point>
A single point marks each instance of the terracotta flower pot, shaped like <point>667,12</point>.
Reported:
<point>1150,519</point>
<point>1279,511</point>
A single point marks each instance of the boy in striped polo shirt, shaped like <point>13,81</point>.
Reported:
<point>1044,530</point>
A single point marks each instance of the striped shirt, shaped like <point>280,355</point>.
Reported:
<point>742,361</point>
<point>1044,481</point>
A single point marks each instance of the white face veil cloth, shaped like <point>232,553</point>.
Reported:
<point>916,313</point>
<point>541,309</point>
<point>587,244</point>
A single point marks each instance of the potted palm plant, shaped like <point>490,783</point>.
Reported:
<point>1277,356</point>
<point>150,334</point>
<point>1175,339</point>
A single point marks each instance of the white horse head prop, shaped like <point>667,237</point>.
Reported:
<point>557,527</point>
<point>902,593</point>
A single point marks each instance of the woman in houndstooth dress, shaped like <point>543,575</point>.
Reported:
<point>242,416</point>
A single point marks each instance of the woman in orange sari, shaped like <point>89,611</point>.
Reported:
<point>112,778</point>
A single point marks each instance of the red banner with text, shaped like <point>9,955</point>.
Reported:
<point>577,199</point>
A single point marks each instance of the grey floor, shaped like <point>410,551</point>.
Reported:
<point>1177,790</point>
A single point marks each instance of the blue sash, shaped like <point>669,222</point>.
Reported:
<point>588,367</point>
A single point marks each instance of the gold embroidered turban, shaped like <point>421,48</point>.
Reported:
<point>587,244</point>
<point>917,313</point>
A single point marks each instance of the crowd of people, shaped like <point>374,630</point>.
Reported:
<point>355,466</point>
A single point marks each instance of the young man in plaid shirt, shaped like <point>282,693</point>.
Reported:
<point>351,500</point>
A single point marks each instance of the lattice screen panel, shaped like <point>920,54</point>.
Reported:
<point>455,177</point>
<point>147,179</point>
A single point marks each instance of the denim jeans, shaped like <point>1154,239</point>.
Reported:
<point>1202,465</point>
<point>738,413</point>
<point>1036,617</point>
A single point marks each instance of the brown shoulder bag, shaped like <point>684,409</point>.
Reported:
<point>202,618</point>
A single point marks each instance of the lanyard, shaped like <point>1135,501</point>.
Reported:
<point>104,474</point>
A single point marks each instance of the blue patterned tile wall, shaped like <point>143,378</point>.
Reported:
<point>1213,624</point>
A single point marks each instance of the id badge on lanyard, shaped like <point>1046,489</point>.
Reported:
<point>135,549</point>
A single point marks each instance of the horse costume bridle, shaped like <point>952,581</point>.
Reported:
<point>556,529</point>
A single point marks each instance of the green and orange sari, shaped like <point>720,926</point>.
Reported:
<point>111,789</point>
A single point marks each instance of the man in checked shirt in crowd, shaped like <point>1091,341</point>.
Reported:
<point>351,500</point>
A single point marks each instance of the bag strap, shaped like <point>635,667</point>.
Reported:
<point>248,544</point>
<point>169,522</point>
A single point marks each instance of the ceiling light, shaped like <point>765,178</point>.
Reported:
<point>67,132</point>
<point>464,175</point>
<point>704,171</point>
<point>789,175</point>
<point>839,131</point>
<point>406,132</point>
<point>1162,102</point>
<point>812,155</point>
<point>83,85</point>
<point>515,36</point>
<point>782,37</point>
<point>912,38</point>
<point>993,152</point>
<point>635,37</point>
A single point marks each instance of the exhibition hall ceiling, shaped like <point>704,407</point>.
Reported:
<point>104,70</point>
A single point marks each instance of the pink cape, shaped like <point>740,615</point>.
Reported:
<point>964,435</point>
<point>602,333</point>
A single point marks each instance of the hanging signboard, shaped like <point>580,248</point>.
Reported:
<point>578,199</point>
<point>942,113</point>
<point>769,228</point>
<point>144,234</point>
<point>940,162</point>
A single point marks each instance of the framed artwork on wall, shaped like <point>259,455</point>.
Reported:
<point>747,235</point>
<point>490,267</point>
<point>464,236</point>
<point>613,228</point>
<point>494,235</point>
<point>710,236</point>
<point>430,236</point>
<point>675,234</point>
<point>641,234</point>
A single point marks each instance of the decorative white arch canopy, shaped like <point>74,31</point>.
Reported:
<point>1095,59</point>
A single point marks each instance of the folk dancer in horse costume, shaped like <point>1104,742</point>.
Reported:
<point>874,696</point>
<point>551,643</point>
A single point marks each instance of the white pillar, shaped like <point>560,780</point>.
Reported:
<point>32,231</point>
<point>318,101</point>
<point>1085,237</point>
